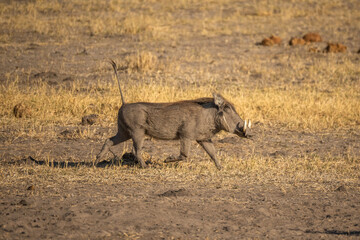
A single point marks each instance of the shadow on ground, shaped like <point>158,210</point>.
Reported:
<point>127,159</point>
<point>337,232</point>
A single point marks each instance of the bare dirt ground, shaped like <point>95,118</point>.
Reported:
<point>150,209</point>
<point>153,206</point>
<point>49,188</point>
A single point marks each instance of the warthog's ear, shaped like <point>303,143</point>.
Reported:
<point>218,100</point>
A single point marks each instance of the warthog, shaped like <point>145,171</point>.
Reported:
<point>189,120</point>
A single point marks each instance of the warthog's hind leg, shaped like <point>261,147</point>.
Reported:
<point>118,138</point>
<point>138,140</point>
<point>210,149</point>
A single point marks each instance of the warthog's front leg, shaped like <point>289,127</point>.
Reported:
<point>210,149</point>
<point>184,151</point>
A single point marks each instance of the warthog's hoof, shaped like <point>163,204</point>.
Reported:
<point>173,159</point>
<point>170,159</point>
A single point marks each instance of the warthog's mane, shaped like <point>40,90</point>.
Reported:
<point>208,102</point>
<point>202,101</point>
<point>205,102</point>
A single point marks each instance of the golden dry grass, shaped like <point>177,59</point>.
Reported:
<point>301,109</point>
<point>305,108</point>
<point>155,20</point>
<point>311,171</point>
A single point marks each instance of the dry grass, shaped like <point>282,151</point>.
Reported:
<point>309,170</point>
<point>142,62</point>
<point>305,108</point>
<point>156,20</point>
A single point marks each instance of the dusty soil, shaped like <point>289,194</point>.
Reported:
<point>176,210</point>
<point>149,206</point>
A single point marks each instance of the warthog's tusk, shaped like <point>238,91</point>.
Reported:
<point>245,126</point>
<point>249,124</point>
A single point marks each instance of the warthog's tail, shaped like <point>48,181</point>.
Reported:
<point>118,79</point>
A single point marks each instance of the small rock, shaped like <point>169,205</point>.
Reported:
<point>68,79</point>
<point>267,42</point>
<point>342,188</point>
<point>275,39</point>
<point>21,110</point>
<point>314,49</point>
<point>31,188</point>
<point>83,52</point>
<point>89,119</point>
<point>45,75</point>
<point>272,40</point>
<point>335,48</point>
<point>70,134</point>
<point>297,41</point>
<point>312,37</point>
<point>23,202</point>
<point>226,228</point>
<point>173,193</point>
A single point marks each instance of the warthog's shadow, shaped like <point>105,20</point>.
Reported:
<point>127,159</point>
<point>336,232</point>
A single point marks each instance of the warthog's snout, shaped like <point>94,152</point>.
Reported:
<point>243,130</point>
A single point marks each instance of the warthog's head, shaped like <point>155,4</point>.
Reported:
<point>228,119</point>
